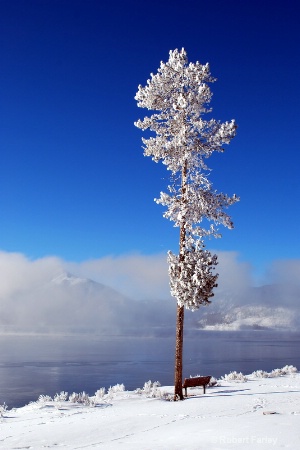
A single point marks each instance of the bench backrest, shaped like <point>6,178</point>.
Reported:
<point>196,381</point>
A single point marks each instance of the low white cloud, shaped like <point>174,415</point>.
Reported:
<point>30,301</point>
<point>286,271</point>
<point>19,273</point>
<point>234,275</point>
<point>137,276</point>
<point>146,276</point>
<point>141,277</point>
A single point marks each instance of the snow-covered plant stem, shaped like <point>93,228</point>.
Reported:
<point>179,94</point>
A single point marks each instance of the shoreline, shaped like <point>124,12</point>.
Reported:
<point>239,412</point>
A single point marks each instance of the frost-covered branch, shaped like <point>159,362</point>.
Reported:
<point>191,278</point>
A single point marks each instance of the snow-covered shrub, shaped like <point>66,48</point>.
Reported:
<point>92,401</point>
<point>150,389</point>
<point>82,398</point>
<point>73,397</point>
<point>61,397</point>
<point>260,374</point>
<point>3,409</point>
<point>235,376</point>
<point>100,393</point>
<point>99,396</point>
<point>117,388</point>
<point>44,399</point>
<point>213,382</point>
<point>168,397</point>
<point>113,390</point>
<point>286,370</point>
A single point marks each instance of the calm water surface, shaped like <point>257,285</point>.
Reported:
<point>30,366</point>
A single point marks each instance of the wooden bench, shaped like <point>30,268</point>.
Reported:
<point>196,381</point>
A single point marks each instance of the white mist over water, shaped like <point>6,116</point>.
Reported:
<point>130,295</point>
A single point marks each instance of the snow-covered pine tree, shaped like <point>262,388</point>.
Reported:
<point>180,95</point>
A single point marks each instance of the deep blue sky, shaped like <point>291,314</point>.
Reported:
<point>74,182</point>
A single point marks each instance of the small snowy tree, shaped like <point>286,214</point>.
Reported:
<point>180,94</point>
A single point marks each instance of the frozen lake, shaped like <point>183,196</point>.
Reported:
<point>34,365</point>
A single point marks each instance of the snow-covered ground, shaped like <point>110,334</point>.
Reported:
<point>261,411</point>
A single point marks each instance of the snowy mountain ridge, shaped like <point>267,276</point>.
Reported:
<point>258,308</point>
<point>68,278</point>
<point>250,318</point>
<point>70,304</point>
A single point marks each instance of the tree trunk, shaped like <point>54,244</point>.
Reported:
<point>180,309</point>
<point>179,353</point>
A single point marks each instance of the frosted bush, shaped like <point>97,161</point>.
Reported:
<point>117,388</point>
<point>213,382</point>
<point>82,398</point>
<point>235,376</point>
<point>150,389</point>
<point>73,397</point>
<point>98,397</point>
<point>260,374</point>
<point>286,370</point>
<point>61,397</point>
<point>167,396</point>
<point>113,390</point>
<point>3,409</point>
<point>44,399</point>
<point>100,393</point>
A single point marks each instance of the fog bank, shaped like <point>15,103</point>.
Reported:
<point>130,294</point>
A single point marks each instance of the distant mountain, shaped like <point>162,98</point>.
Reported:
<point>258,308</point>
<point>249,318</point>
<point>69,279</point>
<point>69,304</point>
